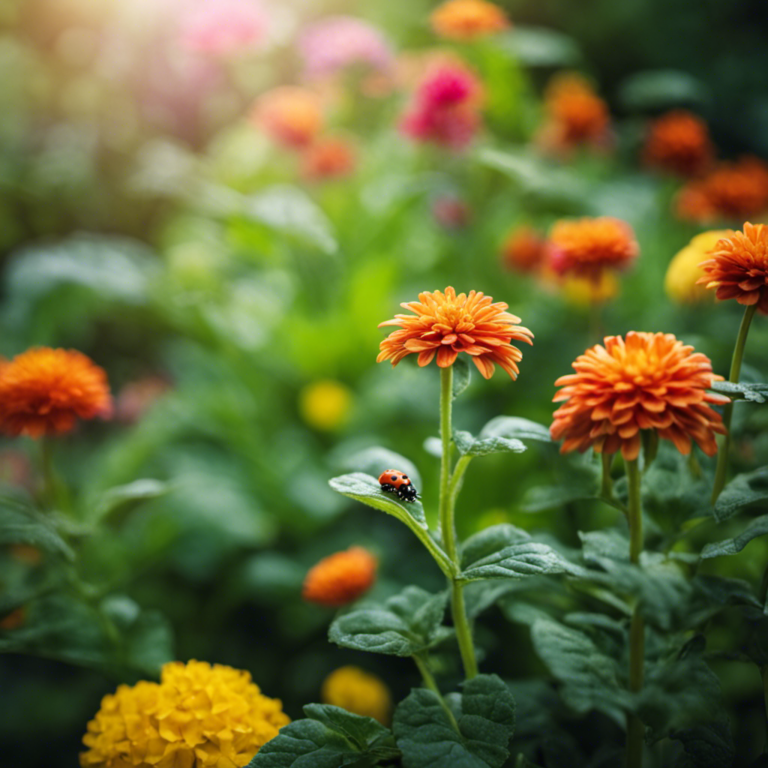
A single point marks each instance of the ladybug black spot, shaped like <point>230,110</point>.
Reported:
<point>394,478</point>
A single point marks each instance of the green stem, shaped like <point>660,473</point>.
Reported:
<point>48,485</point>
<point>429,682</point>
<point>463,630</point>
<point>635,727</point>
<point>736,360</point>
<point>606,489</point>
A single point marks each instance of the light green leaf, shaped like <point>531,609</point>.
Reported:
<point>21,523</point>
<point>123,498</point>
<point>751,393</point>
<point>461,376</point>
<point>757,527</point>
<point>517,428</point>
<point>468,445</point>
<point>405,625</point>
<point>484,713</point>
<point>540,47</point>
<point>373,461</point>
<point>329,737</point>
<point>662,89</point>
<point>743,491</point>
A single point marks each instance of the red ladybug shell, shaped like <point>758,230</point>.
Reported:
<point>394,477</point>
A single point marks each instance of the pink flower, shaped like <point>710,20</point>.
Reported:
<point>337,42</point>
<point>223,27</point>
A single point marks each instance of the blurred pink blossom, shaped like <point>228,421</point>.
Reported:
<point>336,42</point>
<point>223,27</point>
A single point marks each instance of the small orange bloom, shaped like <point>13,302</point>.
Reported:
<point>327,159</point>
<point>44,391</point>
<point>650,381</point>
<point>586,247</point>
<point>292,116</point>
<point>468,19</point>
<point>340,578</point>
<point>13,620</point>
<point>524,250</point>
<point>446,324</point>
<point>738,268</point>
<point>678,142</point>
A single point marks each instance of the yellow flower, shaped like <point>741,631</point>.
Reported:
<point>359,692</point>
<point>197,716</point>
<point>684,270</point>
<point>325,404</point>
<point>584,291</point>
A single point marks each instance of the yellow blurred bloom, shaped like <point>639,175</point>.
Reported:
<point>359,692</point>
<point>198,716</point>
<point>584,291</point>
<point>468,19</point>
<point>325,404</point>
<point>684,270</point>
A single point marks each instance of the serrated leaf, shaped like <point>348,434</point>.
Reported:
<point>461,376</point>
<point>752,393</point>
<point>758,527</point>
<point>122,498</point>
<point>515,427</point>
<point>329,737</point>
<point>491,540</point>
<point>405,625</point>
<point>373,461</point>
<point>743,491</point>
<point>20,523</point>
<point>484,714</point>
<point>589,677</point>
<point>598,544</point>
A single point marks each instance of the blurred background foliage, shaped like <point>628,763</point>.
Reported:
<point>146,221</point>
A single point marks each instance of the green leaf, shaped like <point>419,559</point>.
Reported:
<point>757,527</point>
<point>580,481</point>
<point>405,625</point>
<point>124,498</point>
<point>21,523</point>
<point>468,445</point>
<point>589,677</point>
<point>491,540</point>
<point>743,491</point>
<point>706,746</point>
<point>484,714</point>
<point>373,461</point>
<point>329,737</point>
<point>751,393</point>
<point>517,428</point>
<point>662,89</point>
<point>540,47</point>
<point>461,376</point>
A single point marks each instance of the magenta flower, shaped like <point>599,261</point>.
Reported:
<point>223,27</point>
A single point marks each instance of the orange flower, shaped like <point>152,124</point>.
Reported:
<point>733,191</point>
<point>291,115</point>
<point>586,247</point>
<point>340,578</point>
<point>678,142</point>
<point>468,19</point>
<point>44,391</point>
<point>738,268</point>
<point>13,620</point>
<point>524,249</point>
<point>446,324</point>
<point>328,158</point>
<point>650,381</point>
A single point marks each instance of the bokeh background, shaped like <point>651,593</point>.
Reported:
<point>148,219</point>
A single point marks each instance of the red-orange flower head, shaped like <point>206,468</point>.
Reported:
<point>650,381</point>
<point>678,142</point>
<point>329,158</point>
<point>524,250</point>
<point>738,268</point>
<point>290,115</point>
<point>587,247</point>
<point>44,391</point>
<point>445,324</point>
<point>468,19</point>
<point>341,578</point>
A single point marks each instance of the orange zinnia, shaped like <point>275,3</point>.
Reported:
<point>650,381</point>
<point>291,115</point>
<point>738,268</point>
<point>524,250</point>
<point>328,158</point>
<point>44,391</point>
<point>468,19</point>
<point>678,142</point>
<point>446,324</point>
<point>586,247</point>
<point>340,578</point>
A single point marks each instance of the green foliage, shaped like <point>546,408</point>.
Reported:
<point>751,393</point>
<point>373,461</point>
<point>541,47</point>
<point>743,491</point>
<point>662,89</point>
<point>757,527</point>
<point>462,376</point>
<point>329,737</point>
<point>467,445</point>
<point>476,736</point>
<point>122,499</point>
<point>21,523</point>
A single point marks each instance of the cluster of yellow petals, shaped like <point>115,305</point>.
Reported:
<point>290,115</point>
<point>738,267</point>
<point>359,692</point>
<point>341,578</point>
<point>468,19</point>
<point>679,142</point>
<point>684,271</point>
<point>650,381</point>
<point>198,716</point>
<point>44,391</point>
<point>446,324</point>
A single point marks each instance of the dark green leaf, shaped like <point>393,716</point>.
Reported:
<point>580,481</point>
<point>405,625</point>
<point>123,498</point>
<point>20,523</point>
<point>468,445</point>
<point>757,527</point>
<point>662,89</point>
<point>752,393</point>
<point>484,714</point>
<point>461,376</point>
<point>329,737</point>
<point>515,427</point>
<point>743,491</point>
<point>373,461</point>
<point>491,540</point>
<point>706,746</point>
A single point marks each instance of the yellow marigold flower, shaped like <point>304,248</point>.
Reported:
<point>468,19</point>
<point>198,716</point>
<point>650,381</point>
<point>359,692</point>
<point>678,142</point>
<point>325,404</point>
<point>586,247</point>
<point>340,578</point>
<point>445,324</point>
<point>738,267</point>
<point>291,115</point>
<point>585,291</point>
<point>44,391</point>
<point>685,270</point>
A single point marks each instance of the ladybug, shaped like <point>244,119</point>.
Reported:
<point>394,481</point>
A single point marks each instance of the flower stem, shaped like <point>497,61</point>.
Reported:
<point>606,488</point>
<point>429,682</point>
<point>635,727</point>
<point>736,360</point>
